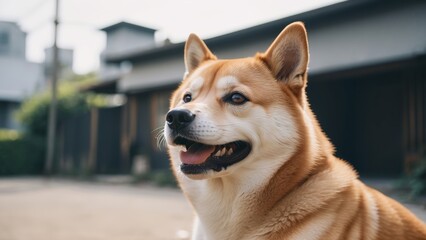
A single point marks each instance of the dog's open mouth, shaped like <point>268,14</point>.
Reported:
<point>199,158</point>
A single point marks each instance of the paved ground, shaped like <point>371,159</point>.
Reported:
<point>62,210</point>
<point>36,209</point>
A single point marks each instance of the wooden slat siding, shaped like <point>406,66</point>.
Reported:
<point>124,143</point>
<point>405,132</point>
<point>413,145</point>
<point>409,158</point>
<point>75,143</point>
<point>91,163</point>
<point>420,109</point>
<point>108,141</point>
<point>128,128</point>
<point>133,119</point>
<point>61,151</point>
<point>423,77</point>
<point>414,118</point>
<point>153,120</point>
<point>159,107</point>
<point>132,129</point>
<point>142,142</point>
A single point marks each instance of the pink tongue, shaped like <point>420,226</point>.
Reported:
<point>196,154</point>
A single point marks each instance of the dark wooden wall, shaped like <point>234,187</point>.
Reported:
<point>365,116</point>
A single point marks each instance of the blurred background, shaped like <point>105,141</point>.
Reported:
<point>93,158</point>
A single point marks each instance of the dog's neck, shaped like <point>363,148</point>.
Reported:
<point>228,210</point>
<point>222,204</point>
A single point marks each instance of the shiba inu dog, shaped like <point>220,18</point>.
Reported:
<point>253,161</point>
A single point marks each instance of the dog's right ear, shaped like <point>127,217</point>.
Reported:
<point>196,52</point>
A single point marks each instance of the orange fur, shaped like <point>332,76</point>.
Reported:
<point>291,186</point>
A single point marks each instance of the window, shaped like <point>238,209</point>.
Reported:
<point>4,42</point>
<point>4,38</point>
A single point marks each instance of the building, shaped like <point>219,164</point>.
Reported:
<point>18,77</point>
<point>123,37</point>
<point>99,143</point>
<point>15,84</point>
<point>367,81</point>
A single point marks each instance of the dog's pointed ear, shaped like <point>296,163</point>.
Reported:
<point>196,52</point>
<point>288,56</point>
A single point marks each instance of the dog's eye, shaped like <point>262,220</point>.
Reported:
<point>236,98</point>
<point>187,97</point>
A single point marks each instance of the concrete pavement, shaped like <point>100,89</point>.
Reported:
<point>38,209</point>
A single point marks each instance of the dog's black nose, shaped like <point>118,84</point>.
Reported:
<point>178,119</point>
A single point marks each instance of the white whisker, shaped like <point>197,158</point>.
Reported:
<point>161,140</point>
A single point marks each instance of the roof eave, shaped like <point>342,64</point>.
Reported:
<point>127,24</point>
<point>309,17</point>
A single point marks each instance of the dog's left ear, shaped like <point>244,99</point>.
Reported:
<point>196,52</point>
<point>288,56</point>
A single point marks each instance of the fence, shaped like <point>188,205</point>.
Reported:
<point>90,143</point>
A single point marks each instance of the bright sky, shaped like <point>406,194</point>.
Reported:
<point>174,19</point>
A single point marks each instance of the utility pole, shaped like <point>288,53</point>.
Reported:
<point>51,131</point>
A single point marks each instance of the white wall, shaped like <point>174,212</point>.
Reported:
<point>19,78</point>
<point>153,73</point>
<point>389,35</point>
<point>125,39</point>
<point>382,36</point>
<point>119,41</point>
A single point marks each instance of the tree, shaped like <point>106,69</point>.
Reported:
<point>33,113</point>
<point>25,154</point>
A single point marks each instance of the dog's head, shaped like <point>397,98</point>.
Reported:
<point>231,115</point>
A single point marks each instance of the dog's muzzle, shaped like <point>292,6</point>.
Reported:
<point>198,157</point>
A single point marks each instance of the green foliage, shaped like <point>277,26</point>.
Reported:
<point>415,181</point>
<point>34,112</point>
<point>25,153</point>
<point>20,154</point>
<point>9,135</point>
<point>88,78</point>
<point>96,100</point>
<point>161,178</point>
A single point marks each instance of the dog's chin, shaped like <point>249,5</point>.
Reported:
<point>200,161</point>
<point>209,174</point>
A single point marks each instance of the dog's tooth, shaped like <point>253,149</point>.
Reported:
<point>183,148</point>
<point>230,151</point>
<point>222,151</point>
